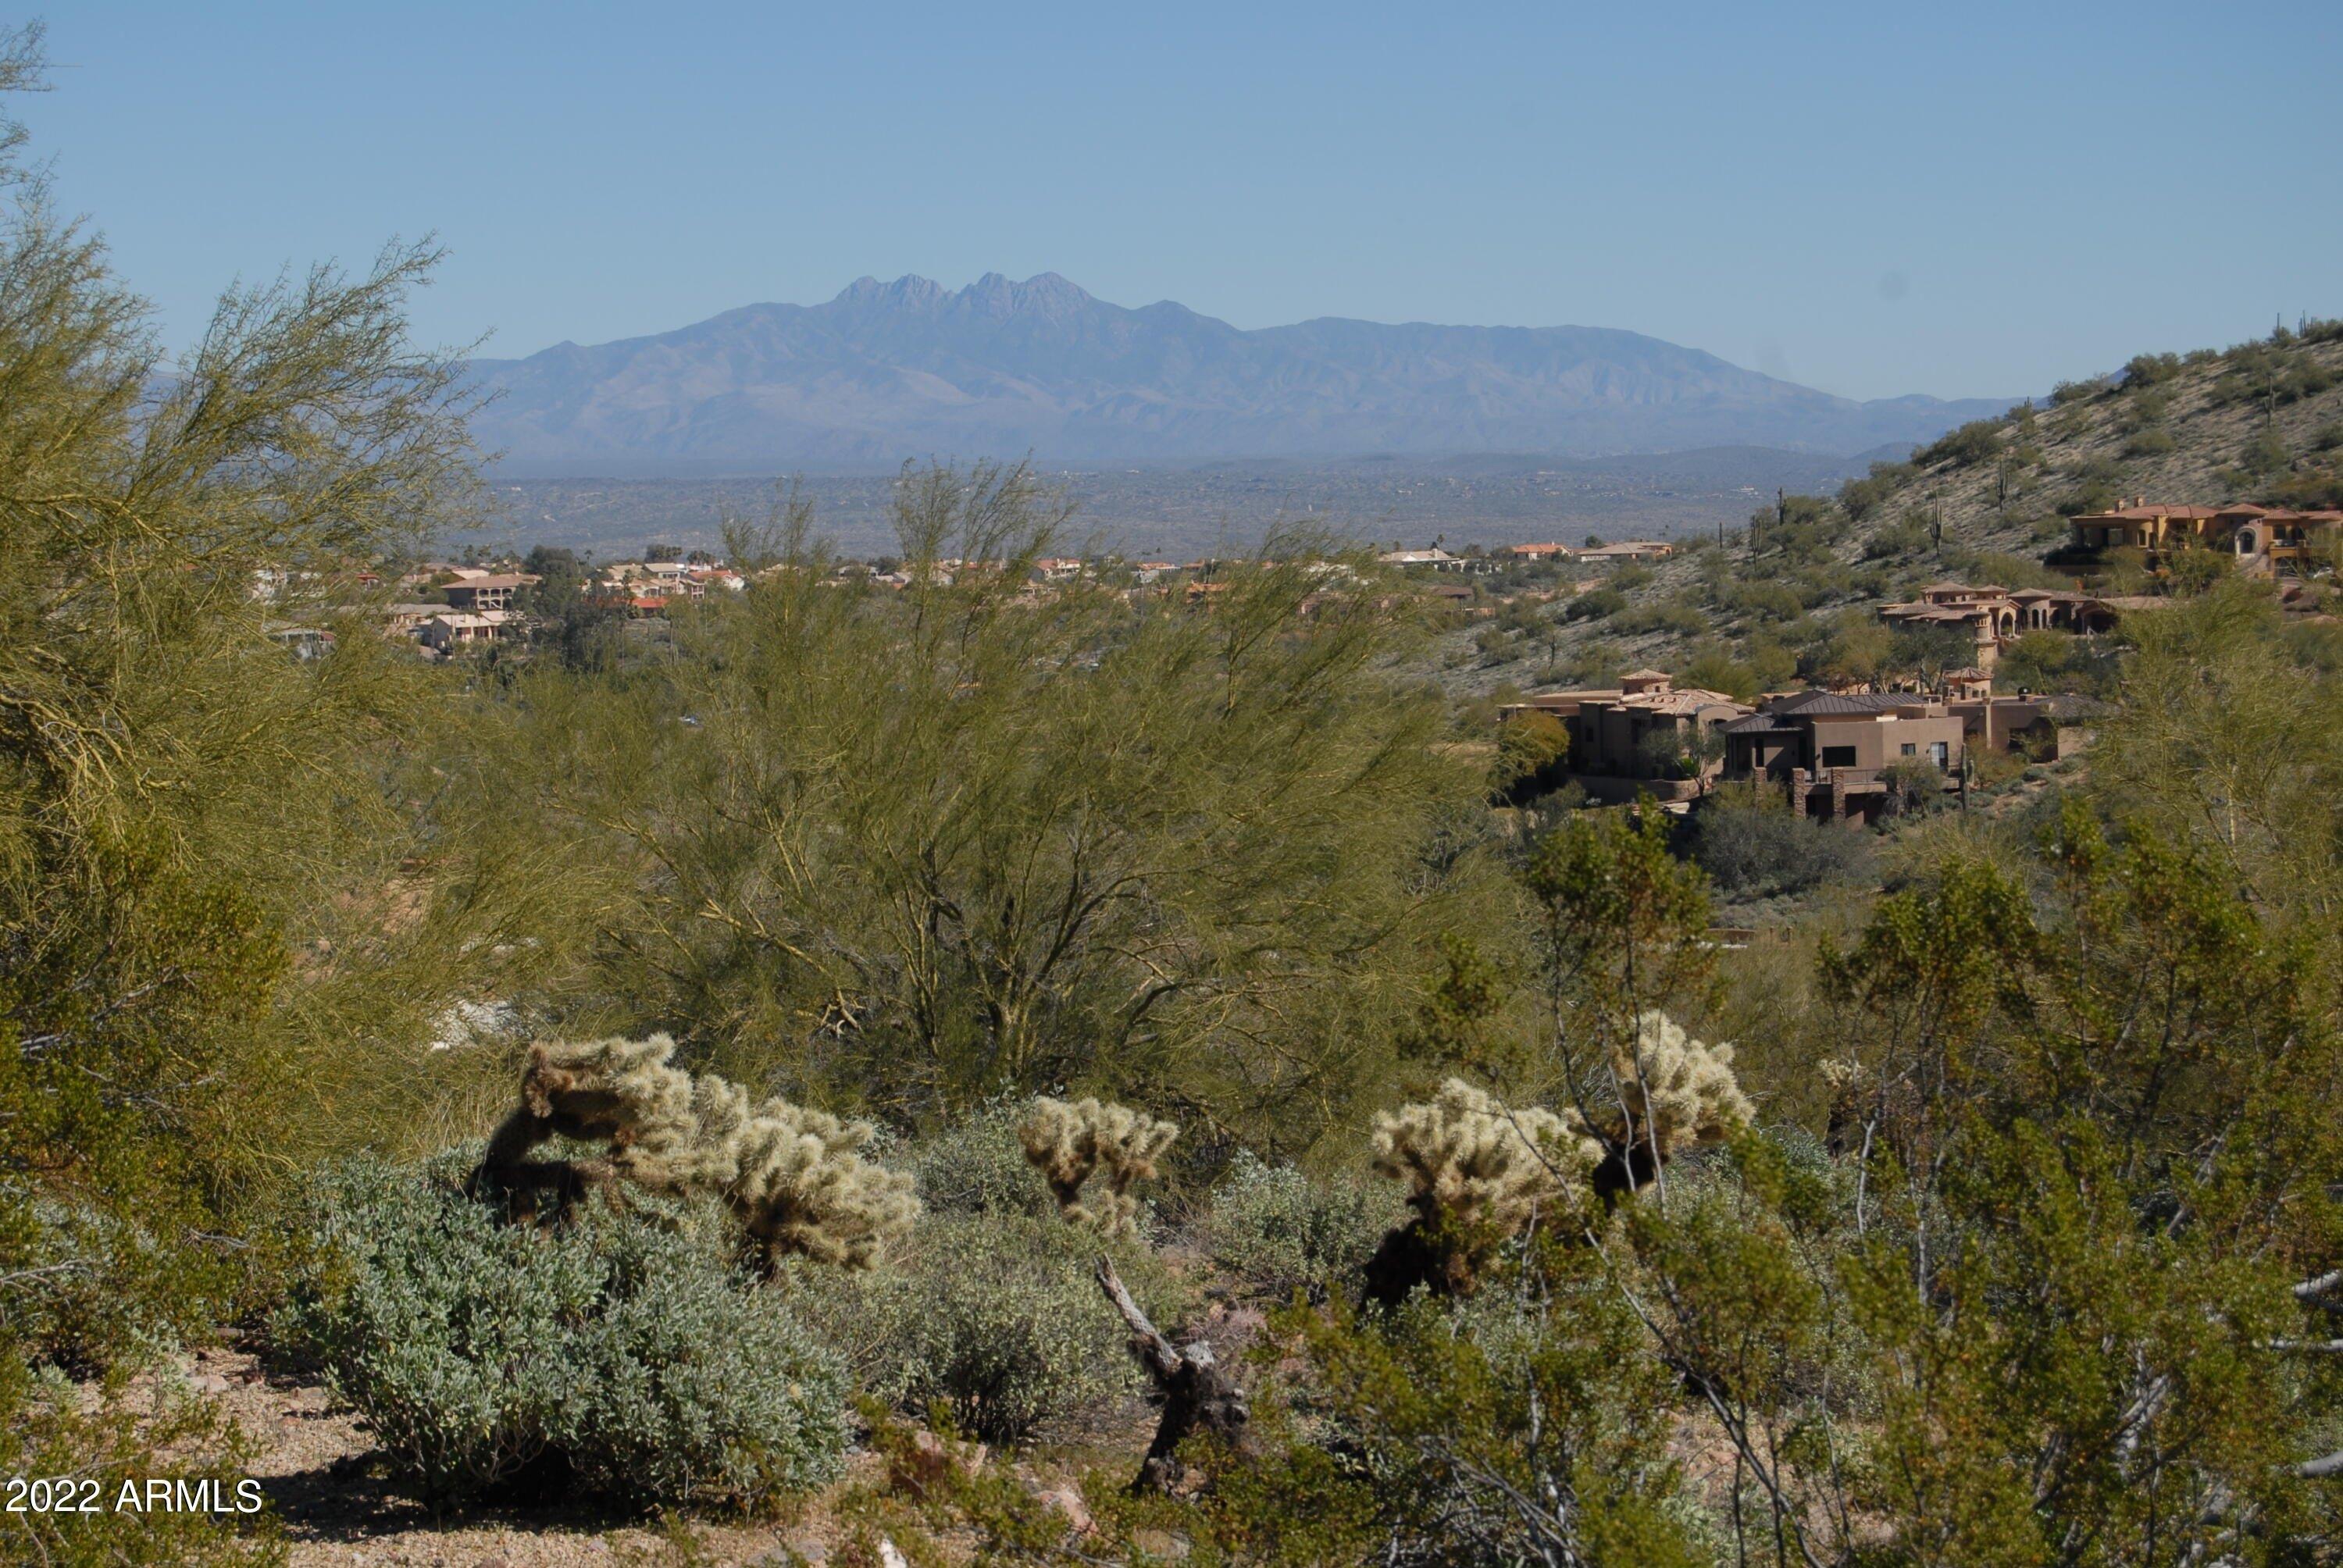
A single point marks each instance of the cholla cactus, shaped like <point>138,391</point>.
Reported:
<point>803,1186</point>
<point>1069,1142</point>
<point>1673,1092</point>
<point>1476,1172</point>
<point>1844,1080</point>
<point>795,1177</point>
<point>604,1089</point>
<point>1469,1160</point>
<point>697,1150</point>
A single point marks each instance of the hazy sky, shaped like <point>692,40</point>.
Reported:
<point>1968,200</point>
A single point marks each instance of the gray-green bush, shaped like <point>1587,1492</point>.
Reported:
<point>619,1356</point>
<point>1279,1230</point>
<point>977,1165</point>
<point>994,1316</point>
<point>1755,849</point>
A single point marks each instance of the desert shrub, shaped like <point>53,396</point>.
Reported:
<point>2095,486</point>
<point>1072,1141</point>
<point>2067,392</point>
<point>93,1286</point>
<point>2151,443</point>
<point>2311,487</point>
<point>1595,604</point>
<point>51,1427</point>
<point>1905,536</point>
<point>977,1165</point>
<point>1714,669</point>
<point>1281,1231</point>
<point>1971,443</point>
<point>996,1317</point>
<point>1862,497</point>
<point>2054,661</point>
<point>2196,571</point>
<point>1673,615</point>
<point>1766,600</point>
<point>1914,784</point>
<point>2264,455</point>
<point>1759,850</point>
<point>620,1355</point>
<point>1532,750</point>
<point>2145,410</point>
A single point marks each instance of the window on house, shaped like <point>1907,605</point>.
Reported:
<point>1941,753</point>
<point>1910,749</point>
<point>1838,756</point>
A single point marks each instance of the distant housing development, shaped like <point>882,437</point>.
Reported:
<point>1644,736</point>
<point>1831,751</point>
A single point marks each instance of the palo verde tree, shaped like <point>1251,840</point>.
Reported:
<point>919,844</point>
<point>183,802</point>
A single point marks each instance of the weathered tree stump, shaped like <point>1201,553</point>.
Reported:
<point>1197,1393</point>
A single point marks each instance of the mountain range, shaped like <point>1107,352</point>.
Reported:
<point>888,371</point>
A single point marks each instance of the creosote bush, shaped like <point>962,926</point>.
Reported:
<point>617,1355</point>
<point>977,1165</point>
<point>794,1177</point>
<point>1072,1141</point>
<point>1753,847</point>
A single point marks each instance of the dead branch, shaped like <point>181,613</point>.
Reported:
<point>2327,1284</point>
<point>1198,1394</point>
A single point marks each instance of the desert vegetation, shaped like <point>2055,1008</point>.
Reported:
<point>1063,1079</point>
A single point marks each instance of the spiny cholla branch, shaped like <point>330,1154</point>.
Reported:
<point>1669,1093</point>
<point>795,1178</point>
<point>1479,1171</point>
<point>1476,1172</point>
<point>1068,1142</point>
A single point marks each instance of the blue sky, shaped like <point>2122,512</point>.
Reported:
<point>1971,200</point>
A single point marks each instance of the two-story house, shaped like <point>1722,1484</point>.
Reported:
<point>1831,751</point>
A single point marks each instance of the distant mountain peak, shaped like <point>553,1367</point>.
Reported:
<point>890,370</point>
<point>910,291</point>
<point>994,294</point>
<point>1044,294</point>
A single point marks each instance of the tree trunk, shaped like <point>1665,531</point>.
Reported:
<point>1197,1393</point>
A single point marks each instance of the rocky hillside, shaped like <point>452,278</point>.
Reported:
<point>1988,501</point>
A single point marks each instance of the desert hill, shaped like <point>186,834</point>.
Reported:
<point>1989,502</point>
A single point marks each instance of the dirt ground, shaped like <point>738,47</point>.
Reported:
<point>312,1463</point>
